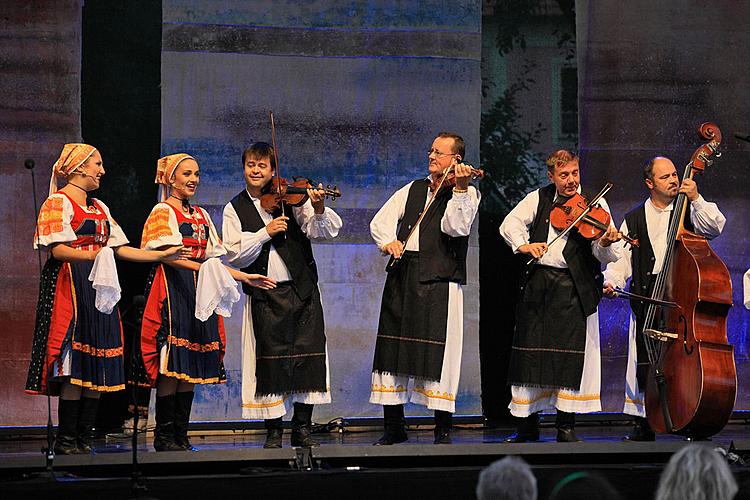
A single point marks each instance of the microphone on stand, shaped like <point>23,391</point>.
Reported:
<point>742,137</point>
<point>29,164</point>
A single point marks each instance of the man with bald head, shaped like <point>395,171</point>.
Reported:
<point>649,223</point>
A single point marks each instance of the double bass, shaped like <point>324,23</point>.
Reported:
<point>693,379</point>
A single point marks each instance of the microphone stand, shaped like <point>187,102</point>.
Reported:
<point>137,487</point>
<point>49,452</point>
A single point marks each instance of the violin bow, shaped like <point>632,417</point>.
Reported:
<point>591,203</point>
<point>278,167</point>
<point>395,260</point>
<point>619,292</point>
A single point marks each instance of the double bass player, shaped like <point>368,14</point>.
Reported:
<point>650,221</point>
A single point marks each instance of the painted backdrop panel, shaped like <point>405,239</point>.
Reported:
<point>358,90</point>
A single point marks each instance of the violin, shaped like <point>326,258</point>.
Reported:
<point>592,225</point>
<point>448,178</point>
<point>280,191</point>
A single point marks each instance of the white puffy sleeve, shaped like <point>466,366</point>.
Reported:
<point>515,226</point>
<point>161,229</point>
<point>53,225</point>
<point>612,253</point>
<point>323,226</point>
<point>619,272</point>
<point>460,212</point>
<point>243,247</point>
<point>384,225</point>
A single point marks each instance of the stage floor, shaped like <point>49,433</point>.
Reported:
<point>346,465</point>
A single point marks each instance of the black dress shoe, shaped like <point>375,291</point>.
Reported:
<point>301,438</point>
<point>641,431</point>
<point>527,430</point>
<point>567,436</point>
<point>443,436</point>
<point>273,438</point>
<point>391,436</point>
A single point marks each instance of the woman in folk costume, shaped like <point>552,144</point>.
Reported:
<point>77,348</point>
<point>182,338</point>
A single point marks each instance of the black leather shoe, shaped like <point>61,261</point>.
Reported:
<point>391,436</point>
<point>273,438</point>
<point>395,426</point>
<point>641,431</point>
<point>66,445</point>
<point>567,435</point>
<point>527,430</point>
<point>301,426</point>
<point>443,436</point>
<point>301,438</point>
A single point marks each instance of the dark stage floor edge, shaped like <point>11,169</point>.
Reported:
<point>346,465</point>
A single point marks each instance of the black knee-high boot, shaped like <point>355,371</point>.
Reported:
<point>443,424</point>
<point>86,422</point>
<point>274,432</point>
<point>395,426</point>
<point>566,427</point>
<point>527,429</point>
<point>183,406</point>
<point>68,411</point>
<point>164,430</point>
<point>301,426</point>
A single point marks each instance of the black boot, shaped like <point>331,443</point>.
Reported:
<point>641,431</point>
<point>527,430</point>
<point>182,407</point>
<point>566,427</point>
<point>395,426</point>
<point>68,411</point>
<point>164,430</point>
<point>86,421</point>
<point>274,431</point>
<point>301,426</point>
<point>443,423</point>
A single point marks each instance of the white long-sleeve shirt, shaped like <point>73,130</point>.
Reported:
<point>517,224</point>
<point>705,216</point>
<point>243,247</point>
<point>457,219</point>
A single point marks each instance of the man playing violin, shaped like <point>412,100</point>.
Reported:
<point>649,222</point>
<point>284,358</point>
<point>420,331</point>
<point>555,360</point>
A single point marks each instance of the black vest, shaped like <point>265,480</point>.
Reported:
<point>441,257</point>
<point>642,258</point>
<point>294,249</point>
<point>585,269</point>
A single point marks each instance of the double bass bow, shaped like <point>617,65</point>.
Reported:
<point>692,382</point>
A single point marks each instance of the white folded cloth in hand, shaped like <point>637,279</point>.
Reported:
<point>215,291</point>
<point>104,278</point>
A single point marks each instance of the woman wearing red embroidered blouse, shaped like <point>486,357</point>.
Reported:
<point>77,347</point>
<point>179,350</point>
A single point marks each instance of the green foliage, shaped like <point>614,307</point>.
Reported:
<point>511,165</point>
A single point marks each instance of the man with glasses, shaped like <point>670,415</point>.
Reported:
<point>420,331</point>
